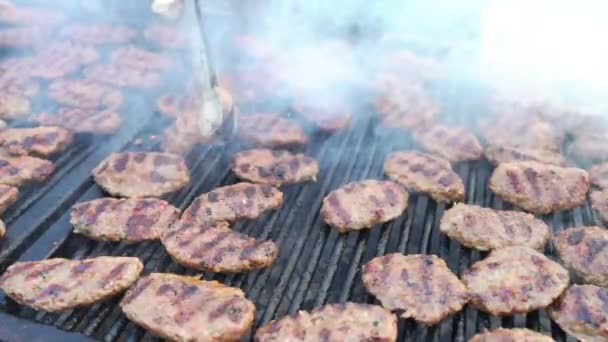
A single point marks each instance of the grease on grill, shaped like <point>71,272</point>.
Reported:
<point>41,141</point>
<point>584,251</point>
<point>270,130</point>
<point>274,166</point>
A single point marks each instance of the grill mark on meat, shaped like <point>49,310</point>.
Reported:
<point>53,290</point>
<point>532,177</point>
<point>228,308</point>
<point>262,172</point>
<point>40,271</point>
<point>196,206</point>
<point>294,165</point>
<point>245,168</point>
<point>200,251</point>
<point>17,269</point>
<point>267,190</point>
<point>445,180</point>
<point>40,172</point>
<point>250,191</point>
<point>594,248</point>
<point>160,160</point>
<point>391,196</point>
<point>100,209</point>
<point>136,290</point>
<point>325,334</point>
<point>82,267</point>
<point>137,224</point>
<point>575,237</point>
<point>164,289</point>
<point>114,273</point>
<point>342,213</point>
<point>514,181</point>
<point>140,157</point>
<point>212,197</point>
<point>120,164</point>
<point>188,292</point>
<point>157,177</point>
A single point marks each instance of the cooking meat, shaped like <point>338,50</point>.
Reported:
<point>363,204</point>
<point>405,108</point>
<point>82,120</point>
<point>582,250</point>
<point>453,143</point>
<point>26,15</point>
<point>274,166</point>
<point>130,220</point>
<point>522,280</point>
<point>141,174</point>
<point>56,285</point>
<point>497,154</point>
<point>581,312</point>
<point>598,175</point>
<point>486,229</point>
<point>183,134</point>
<point>98,33</point>
<point>13,106</point>
<point>166,36</point>
<point>22,37</point>
<point>138,58</point>
<point>188,309</point>
<point>215,247</point>
<point>85,94</point>
<point>269,130</point>
<point>173,105</point>
<point>18,171</point>
<point>540,188</point>
<point>588,148</point>
<point>424,173</point>
<point>17,84</point>
<point>62,58</point>
<point>41,141</point>
<point>333,323</point>
<point>511,335</point>
<point>233,202</point>
<point>327,115</point>
<point>422,286</point>
<point>521,131</point>
<point>122,76</point>
<point>599,202</point>
<point>8,196</point>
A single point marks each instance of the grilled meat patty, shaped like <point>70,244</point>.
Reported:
<point>130,220</point>
<point>13,106</point>
<point>599,202</point>
<point>274,166</point>
<point>269,130</point>
<point>588,148</point>
<point>58,59</point>
<point>138,58</point>
<point>215,247</point>
<point>583,251</point>
<point>86,94</point>
<point>511,335</point>
<point>181,308</point>
<point>8,195</point>
<point>497,154</point>
<point>540,188</point>
<point>424,173</point>
<point>363,204</point>
<point>421,285</point>
<point>514,280</point>
<point>141,174</point>
<point>486,229</point>
<point>17,84</point>
<point>122,76</point>
<point>82,120</point>
<point>233,202</point>
<point>522,132</point>
<point>598,175</point>
<point>581,312</point>
<point>167,37</point>
<point>333,323</point>
<point>405,108</point>
<point>98,33</point>
<point>41,141</point>
<point>18,171</point>
<point>56,285</point>
<point>453,143</point>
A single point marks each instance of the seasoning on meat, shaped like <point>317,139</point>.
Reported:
<point>422,286</point>
<point>85,94</point>
<point>333,322</point>
<point>98,33</point>
<point>233,202</point>
<point>424,173</point>
<point>511,335</point>
<point>56,285</point>
<point>522,280</point>
<point>41,141</point>
<point>82,120</point>
<point>18,171</point>
<point>452,143</point>
<point>8,196</point>
<point>181,308</point>
<point>269,130</point>
<point>130,220</point>
<point>497,154</point>
<point>274,166</point>
<point>141,174</point>
<point>486,229</point>
<point>122,76</point>
<point>583,250</point>
<point>540,188</point>
<point>215,247</point>
<point>138,58</point>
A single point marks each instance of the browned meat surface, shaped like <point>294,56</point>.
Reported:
<point>363,204</point>
<point>188,309</point>
<point>522,280</point>
<point>485,229</point>
<point>130,220</point>
<point>497,154</point>
<point>58,59</point>
<point>599,202</point>
<point>422,286</point>
<point>86,94</point>
<point>274,166</point>
<point>22,37</point>
<point>13,106</point>
<point>583,251</point>
<point>122,76</point>
<point>41,141</point>
<point>581,312</point>
<point>141,174</point>
<point>60,284</point>
<point>17,84</point>
<point>233,202</point>
<point>8,196</point>
<point>215,247</point>
<point>333,323</point>
<point>589,148</point>
<point>138,58</point>
<point>452,143</point>
<point>98,33</point>
<point>269,130</point>
<point>511,335</point>
<point>82,120</point>
<point>167,37</point>
<point>409,109</point>
<point>540,188</point>
<point>424,173</point>
<point>598,175</point>
<point>26,15</point>
<point>521,132</point>
<point>18,171</point>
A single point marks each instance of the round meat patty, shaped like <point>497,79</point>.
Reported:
<point>269,130</point>
<point>139,58</point>
<point>486,228</point>
<point>274,166</point>
<point>453,143</point>
<point>363,204</point>
<point>514,280</point>
<point>583,251</point>
<point>82,120</point>
<point>41,141</point>
<point>581,312</point>
<point>61,58</point>
<point>18,84</point>
<point>86,94</point>
<point>141,174</point>
<point>511,335</point>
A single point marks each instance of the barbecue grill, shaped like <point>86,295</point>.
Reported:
<point>316,265</point>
